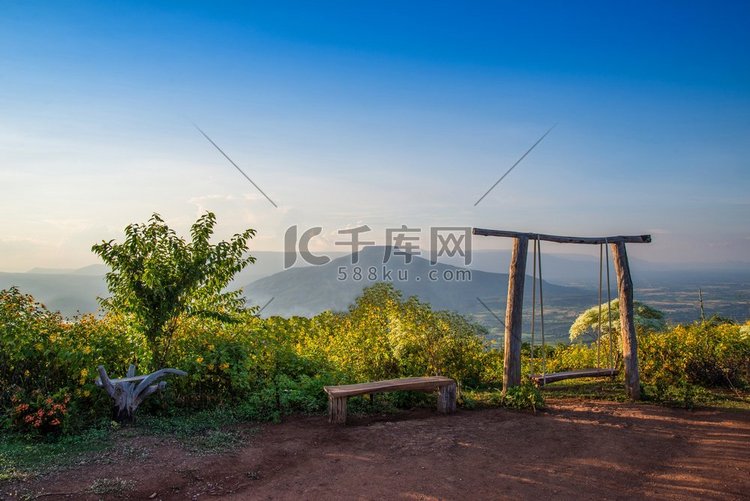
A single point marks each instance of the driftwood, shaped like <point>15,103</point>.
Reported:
<point>129,392</point>
<point>338,395</point>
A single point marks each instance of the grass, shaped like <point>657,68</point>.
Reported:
<point>114,486</point>
<point>690,396</point>
<point>587,388</point>
<point>207,432</point>
<point>200,433</point>
<point>22,457</point>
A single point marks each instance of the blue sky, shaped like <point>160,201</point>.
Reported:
<point>350,113</point>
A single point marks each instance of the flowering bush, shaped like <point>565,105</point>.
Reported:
<point>44,356</point>
<point>40,414</point>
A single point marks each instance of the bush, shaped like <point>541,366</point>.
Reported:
<point>714,353</point>
<point>681,394</point>
<point>524,396</point>
<point>262,369</point>
<point>44,358</point>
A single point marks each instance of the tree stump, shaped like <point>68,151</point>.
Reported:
<point>129,392</point>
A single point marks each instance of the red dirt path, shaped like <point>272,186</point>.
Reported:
<point>574,450</point>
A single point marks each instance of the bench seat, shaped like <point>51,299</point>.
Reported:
<point>338,395</point>
<point>542,379</point>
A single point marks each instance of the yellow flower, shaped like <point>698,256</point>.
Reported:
<point>87,350</point>
<point>86,393</point>
<point>84,373</point>
<point>26,373</point>
<point>210,367</point>
<point>224,366</point>
<point>199,360</point>
<point>39,347</point>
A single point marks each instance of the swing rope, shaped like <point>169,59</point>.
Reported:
<point>609,311</point>
<point>533,310</point>
<point>559,376</point>
<point>537,264</point>
<point>599,328</point>
<point>541,307</point>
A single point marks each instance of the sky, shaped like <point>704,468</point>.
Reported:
<point>375,113</point>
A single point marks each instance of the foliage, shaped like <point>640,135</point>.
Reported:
<point>384,337</point>
<point>157,277</point>
<point>263,369</point>
<point>710,353</point>
<point>681,394</point>
<point>44,357</point>
<point>524,396</point>
<point>44,415</point>
<point>646,319</point>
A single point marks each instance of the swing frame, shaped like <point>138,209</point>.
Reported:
<point>514,305</point>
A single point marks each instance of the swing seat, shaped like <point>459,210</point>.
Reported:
<point>542,379</point>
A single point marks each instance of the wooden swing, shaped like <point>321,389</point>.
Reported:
<point>598,371</point>
<point>514,306</point>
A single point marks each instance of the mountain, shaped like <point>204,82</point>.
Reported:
<point>334,286</point>
<point>306,290</point>
<point>68,293</point>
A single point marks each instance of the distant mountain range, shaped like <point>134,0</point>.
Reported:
<point>569,287</point>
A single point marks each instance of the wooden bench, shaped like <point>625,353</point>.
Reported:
<point>338,395</point>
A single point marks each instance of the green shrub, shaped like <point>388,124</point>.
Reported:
<point>524,396</point>
<point>705,353</point>
<point>263,369</point>
<point>47,358</point>
<point>681,394</point>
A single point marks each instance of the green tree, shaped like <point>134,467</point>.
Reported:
<point>645,318</point>
<point>156,277</point>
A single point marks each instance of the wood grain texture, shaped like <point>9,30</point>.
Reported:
<point>564,239</point>
<point>429,383</point>
<point>627,321</point>
<point>514,313</point>
<point>338,395</point>
<point>542,379</point>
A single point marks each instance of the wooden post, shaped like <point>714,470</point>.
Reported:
<point>447,399</point>
<point>514,313</point>
<point>627,323</point>
<point>337,409</point>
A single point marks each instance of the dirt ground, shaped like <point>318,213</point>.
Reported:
<point>574,450</point>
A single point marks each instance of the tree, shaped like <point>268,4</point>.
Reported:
<point>644,316</point>
<point>156,277</point>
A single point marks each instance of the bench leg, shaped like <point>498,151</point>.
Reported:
<point>337,410</point>
<point>447,399</point>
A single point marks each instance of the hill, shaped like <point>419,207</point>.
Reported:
<point>334,286</point>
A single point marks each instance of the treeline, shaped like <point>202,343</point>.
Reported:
<point>267,367</point>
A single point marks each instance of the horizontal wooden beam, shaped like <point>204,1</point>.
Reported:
<point>634,239</point>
